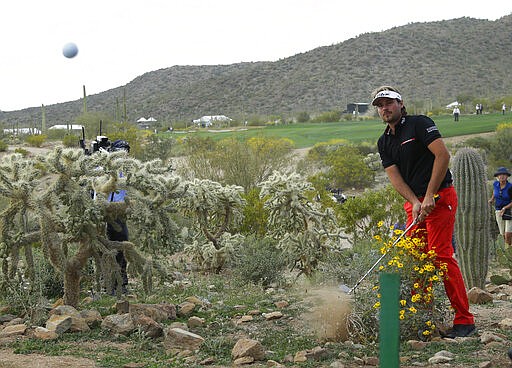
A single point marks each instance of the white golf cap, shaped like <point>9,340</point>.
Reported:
<point>387,94</point>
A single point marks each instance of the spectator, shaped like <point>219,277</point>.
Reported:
<point>118,231</point>
<point>456,113</point>
<point>502,197</point>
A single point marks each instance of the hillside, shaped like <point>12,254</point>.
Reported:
<point>434,61</point>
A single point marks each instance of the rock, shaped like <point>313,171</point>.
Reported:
<point>118,323</point>
<point>44,334</point>
<point>479,296</point>
<point>272,315</point>
<point>417,345</point>
<point>15,321</point>
<point>62,310</point>
<point>181,325</point>
<point>372,361</point>
<point>243,360</point>
<point>487,337</point>
<point>281,304</point>
<point>273,363</point>
<point>195,322</point>
<point>157,312</point>
<point>486,364</point>
<point>248,347</point>
<point>13,330</point>
<point>92,317</point>
<point>179,338</point>
<point>317,353</point>
<point>134,365</point>
<point>505,324</point>
<point>185,308</point>
<point>245,318</point>
<point>442,356</point>
<point>337,364</point>
<point>300,357</point>
<point>6,318</point>
<point>207,361</point>
<point>151,328</point>
<point>59,324</point>
<point>58,302</point>
<point>122,306</point>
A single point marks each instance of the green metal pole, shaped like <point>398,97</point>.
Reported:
<point>389,325</point>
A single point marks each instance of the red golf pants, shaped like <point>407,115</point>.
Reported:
<point>437,228</point>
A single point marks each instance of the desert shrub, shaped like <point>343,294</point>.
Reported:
<point>479,143</point>
<point>70,141</point>
<point>303,117</point>
<point>259,261</point>
<point>28,297</point>
<point>501,149</point>
<point>157,147</point>
<point>21,151</point>
<point>328,116</point>
<point>254,213</point>
<point>3,145</point>
<point>234,162</point>
<point>36,140</point>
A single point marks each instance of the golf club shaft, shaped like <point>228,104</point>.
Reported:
<point>382,256</point>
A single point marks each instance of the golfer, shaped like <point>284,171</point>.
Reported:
<point>416,159</point>
<point>502,198</point>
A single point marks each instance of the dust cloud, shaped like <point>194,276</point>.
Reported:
<point>328,315</point>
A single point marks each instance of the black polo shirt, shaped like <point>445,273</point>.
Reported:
<point>407,149</point>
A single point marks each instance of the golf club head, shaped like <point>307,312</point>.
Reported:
<point>345,289</point>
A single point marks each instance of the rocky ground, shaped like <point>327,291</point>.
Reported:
<point>488,348</point>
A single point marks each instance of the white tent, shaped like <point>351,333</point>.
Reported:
<point>66,126</point>
<point>453,104</point>
<point>142,120</point>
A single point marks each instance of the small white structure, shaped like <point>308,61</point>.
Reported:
<point>453,104</point>
<point>22,131</point>
<point>66,127</point>
<point>208,120</point>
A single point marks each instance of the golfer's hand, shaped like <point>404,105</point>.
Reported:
<point>427,206</point>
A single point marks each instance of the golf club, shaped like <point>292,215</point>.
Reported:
<point>348,290</point>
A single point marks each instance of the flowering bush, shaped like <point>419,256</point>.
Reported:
<point>421,278</point>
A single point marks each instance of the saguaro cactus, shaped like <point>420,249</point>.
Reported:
<point>472,225</point>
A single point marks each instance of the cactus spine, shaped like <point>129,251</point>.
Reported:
<point>472,225</point>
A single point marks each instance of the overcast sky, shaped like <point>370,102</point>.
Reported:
<point>119,40</point>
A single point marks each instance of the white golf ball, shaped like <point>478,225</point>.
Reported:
<point>70,50</point>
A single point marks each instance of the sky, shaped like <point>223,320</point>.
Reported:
<point>119,40</point>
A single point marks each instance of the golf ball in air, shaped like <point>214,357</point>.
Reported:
<point>70,50</point>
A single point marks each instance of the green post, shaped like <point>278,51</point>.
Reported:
<point>389,325</point>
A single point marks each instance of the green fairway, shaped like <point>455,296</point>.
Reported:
<point>308,134</point>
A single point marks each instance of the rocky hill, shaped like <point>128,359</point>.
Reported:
<point>436,62</point>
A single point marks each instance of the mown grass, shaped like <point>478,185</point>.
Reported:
<point>308,134</point>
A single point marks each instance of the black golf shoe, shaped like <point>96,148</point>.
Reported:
<point>459,331</point>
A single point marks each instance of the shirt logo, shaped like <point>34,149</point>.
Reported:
<point>408,141</point>
<point>432,129</point>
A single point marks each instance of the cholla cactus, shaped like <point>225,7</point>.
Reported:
<point>472,226</point>
<point>50,200</point>
<point>303,230</point>
<point>216,209</point>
